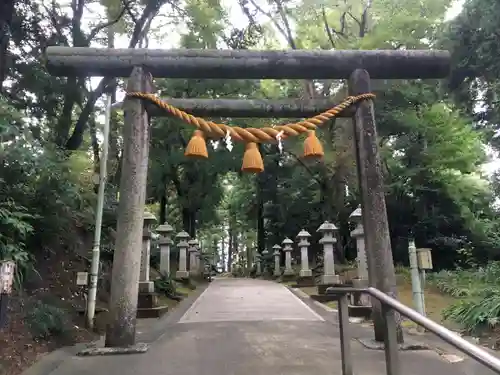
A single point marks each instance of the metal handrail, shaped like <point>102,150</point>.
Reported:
<point>391,348</point>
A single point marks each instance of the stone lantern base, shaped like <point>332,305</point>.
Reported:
<point>328,281</point>
<point>147,302</point>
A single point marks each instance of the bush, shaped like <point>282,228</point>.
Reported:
<point>477,313</point>
<point>46,320</point>
<point>479,291</point>
<point>166,285</point>
<point>14,230</point>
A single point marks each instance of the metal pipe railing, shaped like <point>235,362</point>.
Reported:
<point>389,305</point>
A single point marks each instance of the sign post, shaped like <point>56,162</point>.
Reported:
<point>6,280</point>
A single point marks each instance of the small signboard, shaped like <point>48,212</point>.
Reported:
<point>82,278</point>
<point>6,276</point>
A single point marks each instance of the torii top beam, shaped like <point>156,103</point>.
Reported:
<point>248,64</point>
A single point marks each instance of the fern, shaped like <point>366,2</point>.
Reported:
<point>15,228</point>
<point>479,290</point>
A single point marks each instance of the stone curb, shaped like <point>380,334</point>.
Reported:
<point>136,349</point>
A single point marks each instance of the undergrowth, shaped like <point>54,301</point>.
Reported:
<point>167,285</point>
<point>479,293</point>
<point>47,320</point>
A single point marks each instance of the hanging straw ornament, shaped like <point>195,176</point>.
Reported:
<point>279,138</point>
<point>228,141</point>
<point>197,147</point>
<point>252,160</point>
<point>312,146</point>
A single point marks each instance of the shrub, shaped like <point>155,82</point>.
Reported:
<point>46,320</point>
<point>477,313</point>
<point>14,230</point>
<point>166,285</point>
<point>479,291</point>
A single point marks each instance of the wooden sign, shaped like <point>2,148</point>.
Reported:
<point>82,278</point>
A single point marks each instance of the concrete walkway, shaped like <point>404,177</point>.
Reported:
<point>251,327</point>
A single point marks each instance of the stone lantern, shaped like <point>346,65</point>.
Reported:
<point>359,235</point>
<point>328,240</point>
<point>287,249</point>
<point>183,245</point>
<point>193,250</point>
<point>145,285</point>
<point>277,254</point>
<point>306,278</point>
<point>165,231</point>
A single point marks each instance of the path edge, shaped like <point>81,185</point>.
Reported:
<point>50,362</point>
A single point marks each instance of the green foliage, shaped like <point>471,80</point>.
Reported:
<point>167,285</point>
<point>15,229</point>
<point>479,294</point>
<point>475,81</point>
<point>477,313</point>
<point>46,320</point>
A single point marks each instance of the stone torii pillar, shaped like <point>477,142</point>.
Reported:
<point>329,277</point>
<point>287,249</point>
<point>306,278</point>
<point>165,231</point>
<point>277,266</point>
<point>145,285</point>
<point>182,245</point>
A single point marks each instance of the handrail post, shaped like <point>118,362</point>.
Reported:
<point>391,346</point>
<point>345,337</point>
<point>389,306</point>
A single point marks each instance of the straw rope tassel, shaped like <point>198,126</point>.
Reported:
<point>312,146</point>
<point>252,159</point>
<point>197,147</point>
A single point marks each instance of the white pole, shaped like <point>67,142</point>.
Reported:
<point>422,285</point>
<point>94,267</point>
<point>415,278</point>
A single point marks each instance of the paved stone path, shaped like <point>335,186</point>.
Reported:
<point>251,327</point>
<point>240,300</point>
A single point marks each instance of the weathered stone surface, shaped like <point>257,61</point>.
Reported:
<point>135,349</point>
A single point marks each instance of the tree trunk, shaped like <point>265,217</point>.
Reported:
<point>261,234</point>
<point>163,205</point>
<point>114,159</point>
<point>223,255</point>
<point>6,14</point>
<point>186,220</point>
<point>249,257</point>
<point>230,248</point>
<point>192,225</point>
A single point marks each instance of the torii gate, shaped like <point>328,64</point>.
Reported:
<point>141,64</point>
